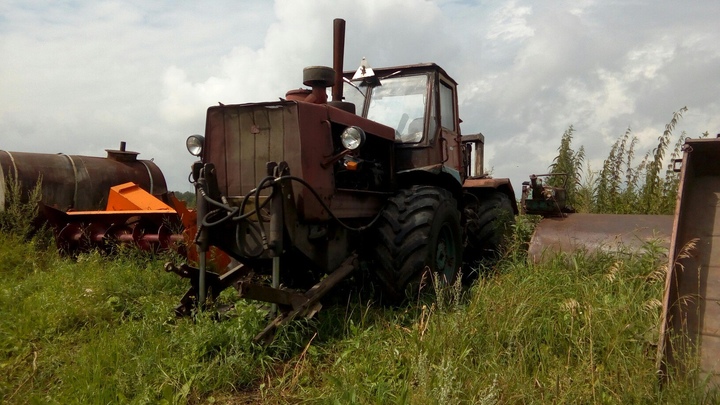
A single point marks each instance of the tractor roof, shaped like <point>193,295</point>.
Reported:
<point>406,69</point>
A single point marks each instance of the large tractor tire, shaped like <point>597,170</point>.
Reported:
<point>418,234</point>
<point>486,218</point>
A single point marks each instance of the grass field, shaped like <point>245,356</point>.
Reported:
<point>578,329</point>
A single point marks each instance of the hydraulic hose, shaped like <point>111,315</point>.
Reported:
<point>268,182</point>
<point>326,208</point>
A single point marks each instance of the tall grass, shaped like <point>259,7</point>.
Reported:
<point>569,162</point>
<point>579,329</point>
<point>100,329</point>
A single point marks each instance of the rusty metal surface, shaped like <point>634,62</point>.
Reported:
<point>76,232</point>
<point>474,145</point>
<point>132,216</point>
<point>79,182</point>
<point>253,290</point>
<point>598,232</point>
<point>405,69</point>
<point>215,283</point>
<point>500,184</point>
<point>241,139</point>
<point>311,304</point>
<point>691,305</point>
<point>3,203</point>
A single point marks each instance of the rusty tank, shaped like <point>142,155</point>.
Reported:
<point>98,203</point>
<point>78,183</point>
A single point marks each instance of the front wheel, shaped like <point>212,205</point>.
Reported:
<point>418,234</point>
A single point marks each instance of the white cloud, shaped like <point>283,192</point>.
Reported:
<point>79,77</point>
<point>509,23</point>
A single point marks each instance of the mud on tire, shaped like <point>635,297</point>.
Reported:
<point>418,230</point>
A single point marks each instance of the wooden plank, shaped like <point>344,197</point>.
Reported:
<point>277,134</point>
<point>215,144</point>
<point>232,150</point>
<point>247,151</point>
<point>262,141</point>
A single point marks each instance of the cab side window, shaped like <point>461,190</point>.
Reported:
<point>447,107</point>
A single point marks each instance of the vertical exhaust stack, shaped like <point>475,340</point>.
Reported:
<point>338,56</point>
<point>338,60</point>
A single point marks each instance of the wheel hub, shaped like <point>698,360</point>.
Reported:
<point>445,253</point>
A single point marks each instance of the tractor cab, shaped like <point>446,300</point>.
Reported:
<point>420,103</point>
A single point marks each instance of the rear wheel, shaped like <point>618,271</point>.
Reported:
<point>486,221</point>
<point>417,235</point>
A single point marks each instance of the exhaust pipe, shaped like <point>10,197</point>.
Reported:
<point>338,56</point>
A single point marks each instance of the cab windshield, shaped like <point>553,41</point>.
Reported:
<point>400,103</point>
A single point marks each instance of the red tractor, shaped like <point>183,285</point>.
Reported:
<point>300,191</point>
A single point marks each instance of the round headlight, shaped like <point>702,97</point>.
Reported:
<point>352,137</point>
<point>195,144</point>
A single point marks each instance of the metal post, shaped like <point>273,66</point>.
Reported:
<point>202,257</point>
<point>202,240</point>
<point>275,280</point>
<point>276,234</point>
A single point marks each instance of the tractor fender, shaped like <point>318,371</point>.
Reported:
<point>436,175</point>
<point>502,185</point>
<point>434,170</point>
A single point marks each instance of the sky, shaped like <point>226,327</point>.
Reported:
<point>78,77</point>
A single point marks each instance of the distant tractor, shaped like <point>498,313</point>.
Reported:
<point>300,191</point>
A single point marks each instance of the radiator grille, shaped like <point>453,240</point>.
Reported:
<point>243,138</point>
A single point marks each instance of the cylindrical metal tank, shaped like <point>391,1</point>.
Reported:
<point>79,183</point>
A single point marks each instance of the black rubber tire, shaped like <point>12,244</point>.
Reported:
<point>486,218</point>
<point>418,231</point>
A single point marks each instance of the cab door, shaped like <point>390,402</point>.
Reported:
<point>450,140</point>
